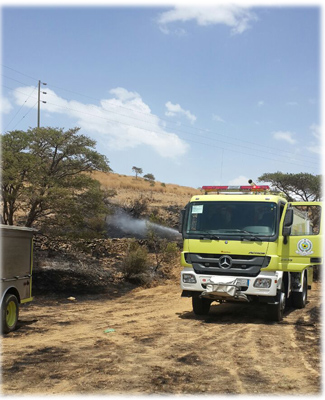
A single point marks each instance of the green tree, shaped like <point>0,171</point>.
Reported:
<point>137,171</point>
<point>302,186</point>
<point>46,176</point>
<point>149,177</point>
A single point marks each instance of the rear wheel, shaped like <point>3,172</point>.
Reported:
<point>200,305</point>
<point>276,311</point>
<point>9,313</point>
<point>299,299</point>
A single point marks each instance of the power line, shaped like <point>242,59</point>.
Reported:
<point>175,122</point>
<point>169,134</point>
<point>8,77</point>
<point>24,116</point>
<point>164,133</point>
<point>188,133</point>
<point>21,73</point>
<point>168,121</point>
<point>20,109</point>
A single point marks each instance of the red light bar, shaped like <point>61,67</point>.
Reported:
<point>255,188</point>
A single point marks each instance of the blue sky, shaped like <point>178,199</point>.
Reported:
<point>195,96</point>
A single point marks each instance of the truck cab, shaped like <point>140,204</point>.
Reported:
<point>247,244</point>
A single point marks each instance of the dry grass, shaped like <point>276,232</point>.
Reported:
<point>128,188</point>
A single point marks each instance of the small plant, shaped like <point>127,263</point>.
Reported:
<point>163,249</point>
<point>135,262</point>
<point>170,251</point>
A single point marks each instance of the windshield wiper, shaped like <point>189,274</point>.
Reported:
<point>251,236</point>
<point>208,236</point>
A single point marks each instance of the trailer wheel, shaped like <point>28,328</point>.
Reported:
<point>299,299</point>
<point>275,311</point>
<point>200,305</point>
<point>9,313</point>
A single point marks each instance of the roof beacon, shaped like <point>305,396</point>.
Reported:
<point>252,188</point>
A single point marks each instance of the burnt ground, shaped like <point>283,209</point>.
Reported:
<point>95,333</point>
<point>148,341</point>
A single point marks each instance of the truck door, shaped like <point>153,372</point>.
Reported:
<point>301,243</point>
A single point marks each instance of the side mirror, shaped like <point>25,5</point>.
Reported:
<point>181,221</point>
<point>287,224</point>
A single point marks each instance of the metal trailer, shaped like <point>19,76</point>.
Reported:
<point>16,272</point>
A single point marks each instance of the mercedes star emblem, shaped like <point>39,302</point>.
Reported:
<point>225,262</point>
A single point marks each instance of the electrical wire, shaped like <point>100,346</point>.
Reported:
<point>194,141</point>
<point>170,134</point>
<point>24,116</point>
<point>19,109</point>
<point>178,130</point>
<point>21,73</point>
<point>169,121</point>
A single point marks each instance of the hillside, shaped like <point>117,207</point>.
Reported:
<point>95,265</point>
<point>128,188</point>
<point>140,199</point>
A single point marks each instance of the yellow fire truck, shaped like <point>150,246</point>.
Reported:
<point>249,244</point>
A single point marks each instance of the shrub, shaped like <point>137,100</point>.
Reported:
<point>170,251</point>
<point>137,207</point>
<point>136,261</point>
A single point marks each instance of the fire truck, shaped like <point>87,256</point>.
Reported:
<point>249,244</point>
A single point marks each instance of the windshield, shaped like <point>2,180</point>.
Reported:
<point>232,218</point>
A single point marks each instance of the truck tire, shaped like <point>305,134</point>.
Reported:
<point>9,313</point>
<point>275,311</point>
<point>299,299</point>
<point>200,305</point>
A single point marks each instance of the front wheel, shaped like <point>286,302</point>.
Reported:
<point>200,305</point>
<point>299,299</point>
<point>276,311</point>
<point>9,313</point>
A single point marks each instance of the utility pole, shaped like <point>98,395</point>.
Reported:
<point>39,102</point>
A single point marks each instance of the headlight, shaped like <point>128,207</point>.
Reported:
<point>189,278</point>
<point>262,283</point>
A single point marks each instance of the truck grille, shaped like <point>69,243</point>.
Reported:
<point>224,264</point>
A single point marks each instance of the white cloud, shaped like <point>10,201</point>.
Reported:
<point>315,146</point>
<point>217,118</point>
<point>315,130</point>
<point>315,149</point>
<point>234,16</point>
<point>240,180</point>
<point>174,109</point>
<point>285,136</point>
<point>5,105</point>
<point>261,103</point>
<point>123,121</point>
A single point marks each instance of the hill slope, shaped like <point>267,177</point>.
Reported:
<point>129,188</point>
<point>141,199</point>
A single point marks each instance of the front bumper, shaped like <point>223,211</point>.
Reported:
<point>228,287</point>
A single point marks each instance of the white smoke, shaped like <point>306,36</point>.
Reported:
<point>121,221</point>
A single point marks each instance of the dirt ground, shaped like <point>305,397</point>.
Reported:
<point>148,341</point>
